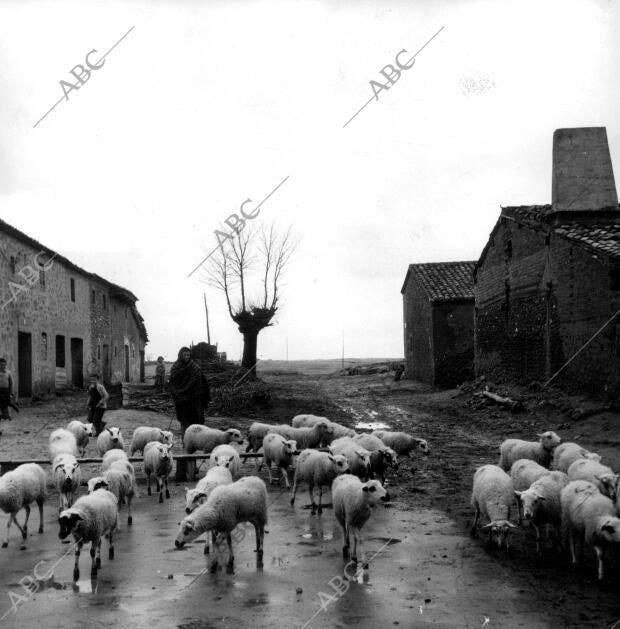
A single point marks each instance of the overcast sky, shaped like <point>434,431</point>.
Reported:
<point>204,105</point>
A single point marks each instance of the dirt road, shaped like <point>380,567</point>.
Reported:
<point>425,569</point>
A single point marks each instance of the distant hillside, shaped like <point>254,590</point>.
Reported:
<point>317,366</point>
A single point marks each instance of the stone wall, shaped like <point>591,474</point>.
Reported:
<point>44,310</point>
<point>418,335</point>
<point>453,342</point>
<point>511,304</point>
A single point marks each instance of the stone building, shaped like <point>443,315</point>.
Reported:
<point>59,323</point>
<point>438,313</point>
<point>549,277</point>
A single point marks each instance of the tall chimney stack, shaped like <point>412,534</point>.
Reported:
<point>583,178</point>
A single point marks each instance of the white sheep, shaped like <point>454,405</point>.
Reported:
<point>226,455</point>
<point>214,477</point>
<point>541,451</point>
<point>524,472</point>
<point>19,488</point>
<point>568,452</point>
<point>89,519</point>
<point>382,457</point>
<point>588,517</point>
<point>157,462</point>
<point>317,469</point>
<point>82,432</point>
<point>280,451</point>
<point>353,502</point>
<point>308,421</point>
<point>402,443</point>
<point>144,434</point>
<point>228,506</point>
<point>304,437</point>
<point>119,480</point>
<point>112,456</point>
<point>599,475</point>
<point>199,437</point>
<point>541,504</point>
<point>357,457</point>
<point>110,438</point>
<point>493,496</point>
<point>67,477</point>
<point>62,441</point>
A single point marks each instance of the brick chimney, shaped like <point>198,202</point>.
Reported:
<point>583,178</point>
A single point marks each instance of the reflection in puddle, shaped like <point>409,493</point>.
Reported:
<point>85,586</point>
<point>371,426</point>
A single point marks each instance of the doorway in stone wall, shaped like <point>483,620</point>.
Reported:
<point>24,364</point>
<point>77,363</point>
<point>126,363</point>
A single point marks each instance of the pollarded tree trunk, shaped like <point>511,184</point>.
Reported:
<point>250,323</point>
<point>250,343</point>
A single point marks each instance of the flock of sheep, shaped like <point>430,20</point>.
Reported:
<point>559,486</point>
<point>320,453</point>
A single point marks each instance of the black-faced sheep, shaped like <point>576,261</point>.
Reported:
<point>89,519</point>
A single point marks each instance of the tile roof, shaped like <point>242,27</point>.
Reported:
<point>445,281</point>
<point>600,236</point>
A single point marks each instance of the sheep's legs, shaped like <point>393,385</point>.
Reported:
<point>111,548</point>
<point>148,484</point>
<point>25,531</point>
<point>345,540</point>
<point>269,472</point>
<point>537,529</point>
<point>260,536</point>
<point>476,518</point>
<point>294,490</point>
<point>76,565</point>
<point>166,483</point>
<point>285,477</point>
<point>571,543</point>
<point>320,499</point>
<point>160,489</point>
<point>312,503</point>
<point>40,505</point>
<point>231,558</point>
<point>95,558</point>
<point>129,518</point>
<point>12,518</point>
<point>357,540</point>
<point>601,568</point>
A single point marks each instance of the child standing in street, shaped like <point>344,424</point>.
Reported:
<point>97,403</point>
<point>160,375</point>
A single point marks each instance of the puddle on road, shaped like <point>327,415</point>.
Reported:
<point>371,426</point>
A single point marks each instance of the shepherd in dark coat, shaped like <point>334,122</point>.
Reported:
<point>190,393</point>
<point>189,389</point>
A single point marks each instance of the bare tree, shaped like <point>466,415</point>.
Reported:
<point>249,269</point>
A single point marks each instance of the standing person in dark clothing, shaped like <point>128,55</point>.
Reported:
<point>160,375</point>
<point>6,391</point>
<point>97,403</point>
<point>190,393</point>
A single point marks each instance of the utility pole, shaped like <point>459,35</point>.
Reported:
<point>343,349</point>
<point>287,354</point>
<point>207,316</point>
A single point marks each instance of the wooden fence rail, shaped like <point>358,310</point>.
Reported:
<point>7,465</point>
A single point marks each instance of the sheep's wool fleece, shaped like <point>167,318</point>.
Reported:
<point>21,486</point>
<point>350,505</point>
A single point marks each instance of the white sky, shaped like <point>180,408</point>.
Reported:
<point>204,105</point>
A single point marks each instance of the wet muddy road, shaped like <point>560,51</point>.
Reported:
<point>425,569</point>
<point>422,572</point>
